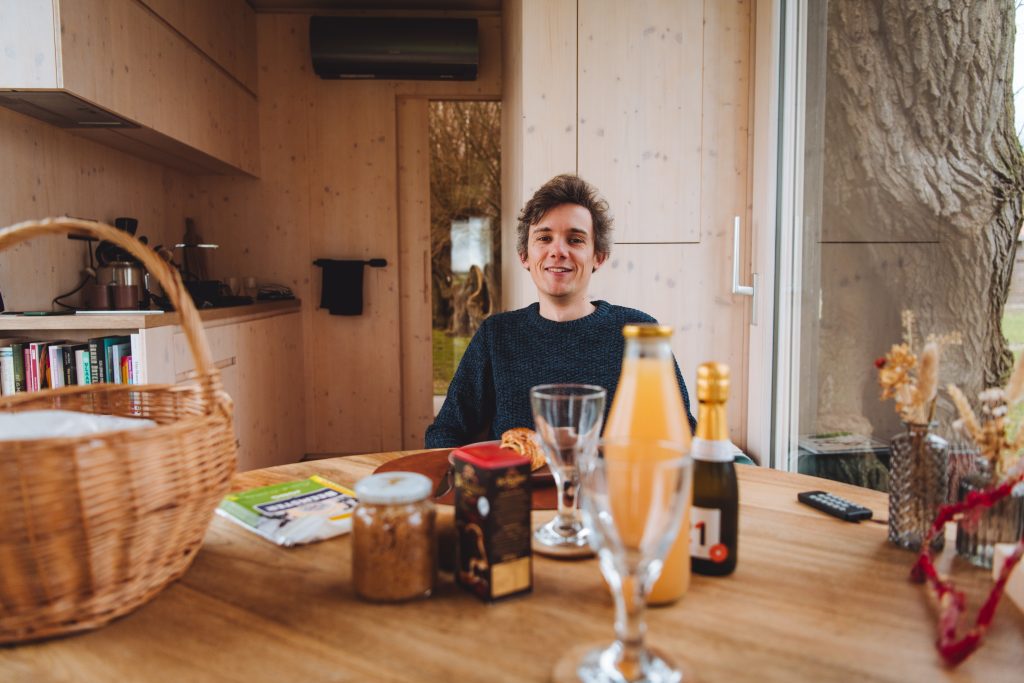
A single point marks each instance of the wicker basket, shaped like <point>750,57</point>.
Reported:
<point>93,527</point>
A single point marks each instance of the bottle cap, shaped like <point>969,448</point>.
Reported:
<point>713,382</point>
<point>393,488</point>
<point>634,330</point>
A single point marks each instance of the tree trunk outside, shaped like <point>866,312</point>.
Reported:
<point>922,182</point>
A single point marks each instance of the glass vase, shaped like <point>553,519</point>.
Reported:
<point>980,529</point>
<point>918,481</point>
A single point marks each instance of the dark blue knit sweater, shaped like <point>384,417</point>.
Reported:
<point>514,351</point>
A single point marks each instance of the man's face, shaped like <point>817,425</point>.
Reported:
<point>560,253</point>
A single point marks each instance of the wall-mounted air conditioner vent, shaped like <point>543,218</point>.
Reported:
<point>395,48</point>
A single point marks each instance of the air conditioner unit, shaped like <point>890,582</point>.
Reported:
<point>394,48</point>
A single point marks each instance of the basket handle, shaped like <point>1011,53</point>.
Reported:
<point>168,278</point>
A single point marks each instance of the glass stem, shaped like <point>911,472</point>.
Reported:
<point>566,501</point>
<point>630,627</point>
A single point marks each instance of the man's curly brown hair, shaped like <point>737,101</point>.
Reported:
<point>566,189</point>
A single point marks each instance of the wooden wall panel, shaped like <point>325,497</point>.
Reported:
<point>512,151</point>
<point>539,118</point>
<point>29,49</point>
<point>354,361</point>
<point>640,114</point>
<point>224,30</point>
<point>49,172</point>
<point>119,55</point>
<point>724,193</point>
<point>415,265</point>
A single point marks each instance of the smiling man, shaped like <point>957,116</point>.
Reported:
<point>564,236</point>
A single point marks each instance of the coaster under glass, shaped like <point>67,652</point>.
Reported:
<point>556,540</point>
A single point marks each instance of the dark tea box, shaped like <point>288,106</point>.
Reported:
<point>492,521</point>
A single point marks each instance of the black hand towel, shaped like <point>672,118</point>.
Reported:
<point>342,288</point>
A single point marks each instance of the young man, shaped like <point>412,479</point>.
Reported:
<point>564,236</point>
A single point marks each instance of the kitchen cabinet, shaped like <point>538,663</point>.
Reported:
<point>143,77</point>
<point>257,348</point>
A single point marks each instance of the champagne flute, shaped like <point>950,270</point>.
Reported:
<point>634,499</point>
<point>568,419</point>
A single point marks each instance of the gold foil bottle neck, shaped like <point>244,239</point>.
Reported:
<point>713,382</point>
<point>646,330</point>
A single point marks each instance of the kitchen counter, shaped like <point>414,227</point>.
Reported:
<point>131,320</point>
<point>813,599</point>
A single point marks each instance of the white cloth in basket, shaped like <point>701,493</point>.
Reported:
<point>51,424</point>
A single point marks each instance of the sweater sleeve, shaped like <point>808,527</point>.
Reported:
<point>469,406</point>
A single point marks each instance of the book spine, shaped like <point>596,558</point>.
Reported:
<point>35,378</point>
<point>6,371</point>
<point>95,357</point>
<point>108,360</point>
<point>70,375</point>
<point>44,380</point>
<point>80,363</point>
<point>126,369</point>
<point>136,358</point>
<point>114,369</point>
<point>55,362</point>
<point>20,383</point>
<point>29,381</point>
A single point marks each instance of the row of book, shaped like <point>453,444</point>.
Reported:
<point>34,365</point>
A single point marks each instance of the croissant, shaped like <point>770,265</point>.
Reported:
<point>522,441</point>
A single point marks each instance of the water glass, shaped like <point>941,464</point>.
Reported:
<point>568,419</point>
<point>634,499</point>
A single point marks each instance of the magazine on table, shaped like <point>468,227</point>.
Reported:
<point>293,512</point>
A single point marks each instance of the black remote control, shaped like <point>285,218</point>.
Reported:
<point>834,505</point>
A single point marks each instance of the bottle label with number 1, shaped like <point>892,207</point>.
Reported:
<point>706,535</point>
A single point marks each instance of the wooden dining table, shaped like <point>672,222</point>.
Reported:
<point>813,599</point>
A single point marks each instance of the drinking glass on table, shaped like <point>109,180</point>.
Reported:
<point>634,498</point>
<point>568,419</point>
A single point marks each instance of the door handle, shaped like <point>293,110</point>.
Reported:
<point>746,290</point>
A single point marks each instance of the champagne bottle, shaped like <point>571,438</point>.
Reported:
<point>715,514</point>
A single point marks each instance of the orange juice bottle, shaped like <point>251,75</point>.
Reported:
<point>649,405</point>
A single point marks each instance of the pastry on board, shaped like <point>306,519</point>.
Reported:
<point>523,441</point>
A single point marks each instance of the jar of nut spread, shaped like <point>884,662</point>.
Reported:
<point>394,547</point>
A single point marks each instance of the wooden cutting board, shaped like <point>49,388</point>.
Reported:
<point>434,465</point>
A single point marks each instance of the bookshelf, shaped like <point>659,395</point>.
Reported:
<point>258,349</point>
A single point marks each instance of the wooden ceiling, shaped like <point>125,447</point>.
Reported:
<point>381,5</point>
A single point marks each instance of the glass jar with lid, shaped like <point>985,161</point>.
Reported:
<point>394,546</point>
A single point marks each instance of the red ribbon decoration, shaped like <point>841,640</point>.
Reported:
<point>951,600</point>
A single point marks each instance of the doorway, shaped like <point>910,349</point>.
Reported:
<point>449,243</point>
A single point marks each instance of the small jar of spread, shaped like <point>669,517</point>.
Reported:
<point>394,547</point>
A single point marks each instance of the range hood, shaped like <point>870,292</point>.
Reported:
<point>61,109</point>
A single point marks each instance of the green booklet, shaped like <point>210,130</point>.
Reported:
<point>293,512</point>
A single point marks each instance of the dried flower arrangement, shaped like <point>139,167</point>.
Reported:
<point>913,385</point>
<point>999,440</point>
